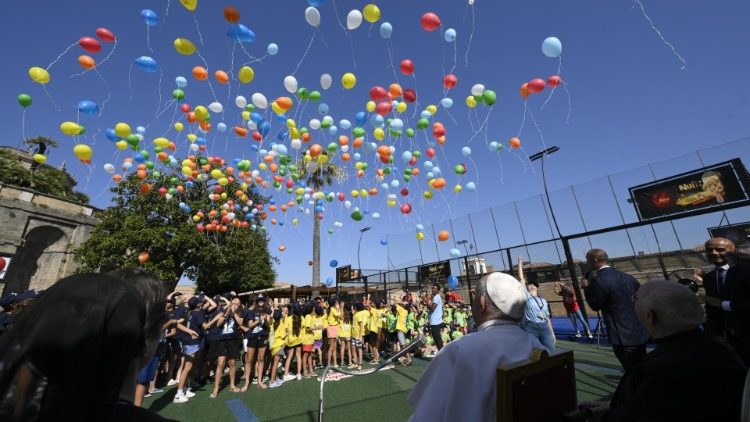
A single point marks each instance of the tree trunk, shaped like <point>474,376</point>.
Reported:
<point>316,250</point>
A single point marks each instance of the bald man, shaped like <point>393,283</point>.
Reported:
<point>717,249</point>
<point>688,377</point>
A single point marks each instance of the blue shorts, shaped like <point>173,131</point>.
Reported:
<point>148,373</point>
<point>190,349</point>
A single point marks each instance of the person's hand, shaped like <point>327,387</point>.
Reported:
<point>698,276</point>
<point>584,282</point>
<point>193,335</point>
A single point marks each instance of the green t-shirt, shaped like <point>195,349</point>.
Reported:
<point>448,316</point>
<point>391,321</point>
<point>456,334</point>
<point>410,321</point>
<point>460,319</point>
<point>429,340</point>
<point>446,337</point>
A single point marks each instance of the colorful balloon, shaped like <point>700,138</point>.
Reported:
<point>189,4</point>
<point>449,35</point>
<point>371,13</point>
<point>326,81</point>
<point>553,81</point>
<point>149,17</point>
<point>184,46</point>
<point>354,19</point>
<point>90,44</point>
<point>39,75</point>
<point>241,33</point>
<point>552,47</point>
<point>535,86</point>
<point>82,152</point>
<point>386,30</point>
<point>88,107</point>
<point>430,21</point>
<point>105,35</point>
<point>272,49</point>
<point>407,67</point>
<point>231,14</point>
<point>24,100</point>
<point>147,63</point>
<point>348,80</point>
<point>86,62</point>
<point>40,158</point>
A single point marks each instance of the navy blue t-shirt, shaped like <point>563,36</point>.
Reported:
<point>195,320</point>
<point>231,329</point>
<point>179,313</point>
<point>259,331</point>
<point>214,331</point>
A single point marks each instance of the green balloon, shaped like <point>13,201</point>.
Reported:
<point>132,140</point>
<point>276,184</point>
<point>333,147</point>
<point>330,231</point>
<point>303,93</point>
<point>364,166</point>
<point>423,123</point>
<point>173,181</point>
<point>357,215</point>
<point>489,97</point>
<point>178,94</point>
<point>157,149</point>
<point>358,132</point>
<point>150,165</point>
<point>407,178</point>
<point>288,190</point>
<point>82,129</point>
<point>203,160</point>
<point>314,96</point>
<point>325,124</point>
<point>250,107</point>
<point>143,153</point>
<point>410,132</point>
<point>416,154</point>
<point>299,200</point>
<point>387,170</point>
<point>459,169</point>
<point>24,100</point>
<point>303,130</point>
<point>407,171</point>
<point>157,174</point>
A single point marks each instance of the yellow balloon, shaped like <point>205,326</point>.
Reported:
<point>432,109</point>
<point>82,152</point>
<point>189,4</point>
<point>457,188</point>
<point>179,127</point>
<point>246,115</point>
<point>371,13</point>
<point>294,133</point>
<point>391,203</point>
<point>217,174</point>
<point>471,102</point>
<point>223,181</point>
<point>420,236</point>
<point>247,74</point>
<point>223,195</point>
<point>348,80</point>
<point>322,159</point>
<point>40,158</point>
<point>122,130</point>
<point>401,107</point>
<point>70,128</point>
<point>262,166</point>
<point>192,137</point>
<point>277,108</point>
<point>196,218</point>
<point>39,75</point>
<point>299,191</point>
<point>161,142</point>
<point>318,195</point>
<point>379,134</point>
<point>370,106</point>
<point>121,145</point>
<point>184,46</point>
<point>427,194</point>
<point>187,171</point>
<point>201,112</point>
<point>358,165</point>
<point>355,193</point>
<point>363,193</point>
<point>295,221</point>
<point>290,123</point>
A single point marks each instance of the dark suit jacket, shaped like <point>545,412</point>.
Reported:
<point>688,377</point>
<point>714,319</point>
<point>612,291</point>
<point>737,321</point>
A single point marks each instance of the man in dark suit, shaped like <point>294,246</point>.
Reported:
<point>714,282</point>
<point>688,377</point>
<point>612,292</point>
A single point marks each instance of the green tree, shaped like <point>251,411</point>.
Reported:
<point>318,176</point>
<point>235,260</point>
<point>41,143</point>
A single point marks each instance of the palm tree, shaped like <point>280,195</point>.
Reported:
<point>41,143</point>
<point>318,177</point>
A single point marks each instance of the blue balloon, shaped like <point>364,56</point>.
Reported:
<point>256,117</point>
<point>386,30</point>
<point>345,124</point>
<point>138,158</point>
<point>282,118</point>
<point>449,35</point>
<point>453,282</point>
<point>253,148</point>
<point>264,127</point>
<point>316,3</point>
<point>273,49</point>
<point>180,81</point>
<point>425,114</point>
<point>333,263</point>
<point>552,47</point>
<point>200,141</point>
<point>466,151</point>
<point>323,109</point>
<point>282,150</point>
<point>241,33</point>
<point>406,156</point>
<point>420,227</point>
<point>329,282</point>
<point>384,242</point>
<point>471,187</point>
<point>361,118</point>
<point>282,135</point>
<point>357,156</point>
<point>333,129</point>
<point>88,107</point>
<point>149,16</point>
<point>111,135</point>
<point>222,127</point>
<point>377,120</point>
<point>147,63</point>
<point>446,102</point>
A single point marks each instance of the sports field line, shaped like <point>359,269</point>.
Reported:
<point>241,412</point>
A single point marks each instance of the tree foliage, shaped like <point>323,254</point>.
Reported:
<point>235,260</point>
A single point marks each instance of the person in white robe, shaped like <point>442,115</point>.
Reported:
<point>459,384</point>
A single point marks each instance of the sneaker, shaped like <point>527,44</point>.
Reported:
<point>591,337</point>
<point>578,334</point>
<point>172,382</point>
<point>288,377</point>
<point>147,395</point>
<point>189,394</point>
<point>156,391</point>
<point>276,383</point>
<point>180,399</point>
<point>299,377</point>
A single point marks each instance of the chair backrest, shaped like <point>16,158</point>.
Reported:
<point>542,388</point>
<point>745,414</point>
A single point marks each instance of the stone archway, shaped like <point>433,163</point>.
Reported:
<point>35,258</point>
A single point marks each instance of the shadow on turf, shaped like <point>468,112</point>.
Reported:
<point>159,404</point>
<point>313,415</point>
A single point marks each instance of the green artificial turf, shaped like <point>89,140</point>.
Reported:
<point>380,396</point>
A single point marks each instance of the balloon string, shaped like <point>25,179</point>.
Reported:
<point>148,38</point>
<point>523,121</point>
<point>130,81</point>
<point>54,104</point>
<point>481,127</point>
<point>552,92</point>
<point>253,59</point>
<point>23,127</point>
<point>667,43</point>
<point>210,85</point>
<point>158,104</point>
<point>60,56</point>
<point>336,12</point>
<point>109,93</point>
<point>97,64</point>
<point>471,36</point>
<point>570,102</point>
<point>198,28</point>
<point>455,56</point>
<point>166,12</point>
<point>538,129</point>
<point>309,45</point>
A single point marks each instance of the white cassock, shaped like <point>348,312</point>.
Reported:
<point>460,383</point>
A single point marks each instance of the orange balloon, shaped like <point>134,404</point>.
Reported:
<point>514,142</point>
<point>206,126</point>
<point>117,178</point>
<point>143,257</point>
<point>240,131</point>
<point>443,235</point>
<point>221,76</point>
<point>191,117</point>
<point>268,158</point>
<point>273,167</point>
<point>438,183</point>
<point>272,208</point>
<point>525,90</point>
<point>284,102</point>
<point>282,248</point>
<point>358,142</point>
<point>283,207</point>
<point>441,140</point>
<point>343,140</point>
<point>345,156</point>
<point>162,156</point>
<point>395,90</point>
<point>415,171</point>
<point>142,175</point>
<point>231,14</point>
<point>306,137</point>
<point>200,73</point>
<point>145,188</point>
<point>315,150</point>
<point>373,191</point>
<point>360,173</point>
<point>86,62</point>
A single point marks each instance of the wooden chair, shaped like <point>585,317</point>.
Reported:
<point>542,388</point>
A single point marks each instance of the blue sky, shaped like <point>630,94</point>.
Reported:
<point>631,101</point>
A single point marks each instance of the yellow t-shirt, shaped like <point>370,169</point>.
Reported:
<point>292,339</point>
<point>360,324</point>
<point>279,338</point>
<point>346,330</point>
<point>307,334</point>
<point>401,314</point>
<point>334,316</point>
<point>318,321</point>
<point>375,322</point>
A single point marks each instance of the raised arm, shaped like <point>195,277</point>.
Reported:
<point>521,276</point>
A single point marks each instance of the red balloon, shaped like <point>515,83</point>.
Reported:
<point>430,21</point>
<point>407,67</point>
<point>105,34</point>
<point>384,108</point>
<point>404,192</point>
<point>405,208</point>
<point>185,108</point>
<point>410,95</point>
<point>378,93</point>
<point>450,81</point>
<point>90,44</point>
<point>431,152</point>
<point>535,86</point>
<point>413,161</point>
<point>231,14</point>
<point>341,196</point>
<point>554,81</point>
<point>257,136</point>
<point>2,263</point>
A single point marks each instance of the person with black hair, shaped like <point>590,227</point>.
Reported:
<point>345,336</point>
<point>279,333</point>
<point>360,327</point>
<point>224,343</point>
<point>257,323</point>
<point>435,306</point>
<point>307,339</point>
<point>193,336</point>
<point>333,321</point>
<point>318,326</point>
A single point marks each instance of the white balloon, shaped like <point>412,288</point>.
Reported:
<point>240,101</point>
<point>345,148</point>
<point>216,107</point>
<point>194,147</point>
<point>477,89</point>
<point>290,84</point>
<point>296,144</point>
<point>259,100</point>
<point>312,16</point>
<point>348,204</point>
<point>354,19</point>
<point>326,80</point>
<point>109,168</point>
<point>471,2</point>
<point>315,124</point>
<point>252,125</point>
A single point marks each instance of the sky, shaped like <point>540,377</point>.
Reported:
<point>630,99</point>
